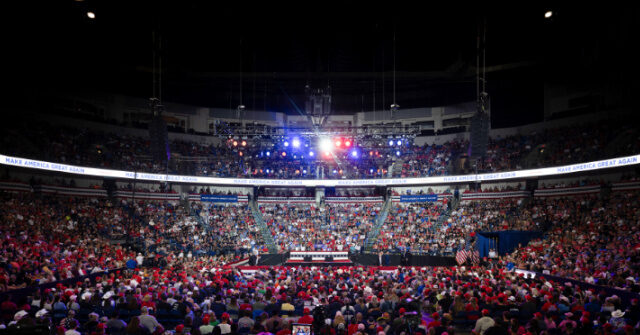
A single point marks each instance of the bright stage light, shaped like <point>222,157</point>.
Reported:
<point>399,143</point>
<point>354,154</point>
<point>398,153</point>
<point>338,143</point>
<point>286,144</point>
<point>284,154</point>
<point>326,145</point>
<point>548,14</point>
<point>268,154</point>
<point>391,143</point>
<point>347,143</point>
<point>235,143</point>
<point>296,143</point>
<point>311,153</point>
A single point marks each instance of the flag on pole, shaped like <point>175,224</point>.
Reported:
<point>461,256</point>
<point>475,257</point>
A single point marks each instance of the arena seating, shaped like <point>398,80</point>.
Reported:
<point>263,159</point>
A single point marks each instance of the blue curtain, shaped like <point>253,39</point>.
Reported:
<point>504,241</point>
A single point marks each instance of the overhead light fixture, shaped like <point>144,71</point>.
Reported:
<point>91,15</point>
<point>548,14</point>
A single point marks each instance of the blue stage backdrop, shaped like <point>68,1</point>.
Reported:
<point>504,241</point>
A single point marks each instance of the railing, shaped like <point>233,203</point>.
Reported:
<point>264,230</point>
<point>372,237</point>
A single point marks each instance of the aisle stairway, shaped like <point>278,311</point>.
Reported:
<point>264,230</point>
<point>372,236</point>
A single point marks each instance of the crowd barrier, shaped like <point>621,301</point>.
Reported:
<point>564,191</point>
<point>495,195</point>
<point>288,200</point>
<point>340,200</point>
<point>625,186</point>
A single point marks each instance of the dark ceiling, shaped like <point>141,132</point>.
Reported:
<point>280,46</point>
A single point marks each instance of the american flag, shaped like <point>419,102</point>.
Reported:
<point>461,256</point>
<point>475,257</point>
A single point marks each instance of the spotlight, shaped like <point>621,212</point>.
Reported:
<point>244,143</point>
<point>370,153</point>
<point>338,143</point>
<point>548,14</point>
<point>286,144</point>
<point>391,143</point>
<point>91,15</point>
<point>241,154</point>
<point>296,143</point>
<point>327,154</point>
<point>311,154</point>
<point>268,154</point>
<point>335,171</point>
<point>284,154</point>
<point>235,143</point>
<point>304,171</point>
<point>354,154</point>
<point>399,143</point>
<point>326,145</point>
<point>347,143</point>
<point>398,153</point>
<point>267,170</point>
<point>370,170</point>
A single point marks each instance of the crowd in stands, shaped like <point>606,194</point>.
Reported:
<point>185,289</point>
<point>263,159</point>
<point>229,227</point>
<point>591,240</point>
<point>414,226</point>
<point>306,227</point>
<point>51,238</point>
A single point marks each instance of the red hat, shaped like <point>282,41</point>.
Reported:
<point>226,315</point>
<point>537,314</point>
<point>306,311</point>
<point>180,328</point>
<point>402,311</point>
<point>206,319</point>
<point>485,312</point>
<point>435,316</point>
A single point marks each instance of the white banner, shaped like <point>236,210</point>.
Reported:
<point>550,171</point>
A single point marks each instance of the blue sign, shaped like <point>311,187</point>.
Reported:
<point>218,198</point>
<point>419,198</point>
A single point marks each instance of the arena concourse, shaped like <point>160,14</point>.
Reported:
<point>329,169</point>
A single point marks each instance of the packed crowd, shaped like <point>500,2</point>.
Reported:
<point>184,289</point>
<point>198,297</point>
<point>419,227</point>
<point>590,240</point>
<point>84,147</point>
<point>48,239</point>
<point>414,226</point>
<point>308,227</point>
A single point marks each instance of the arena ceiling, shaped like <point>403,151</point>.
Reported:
<point>279,47</point>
